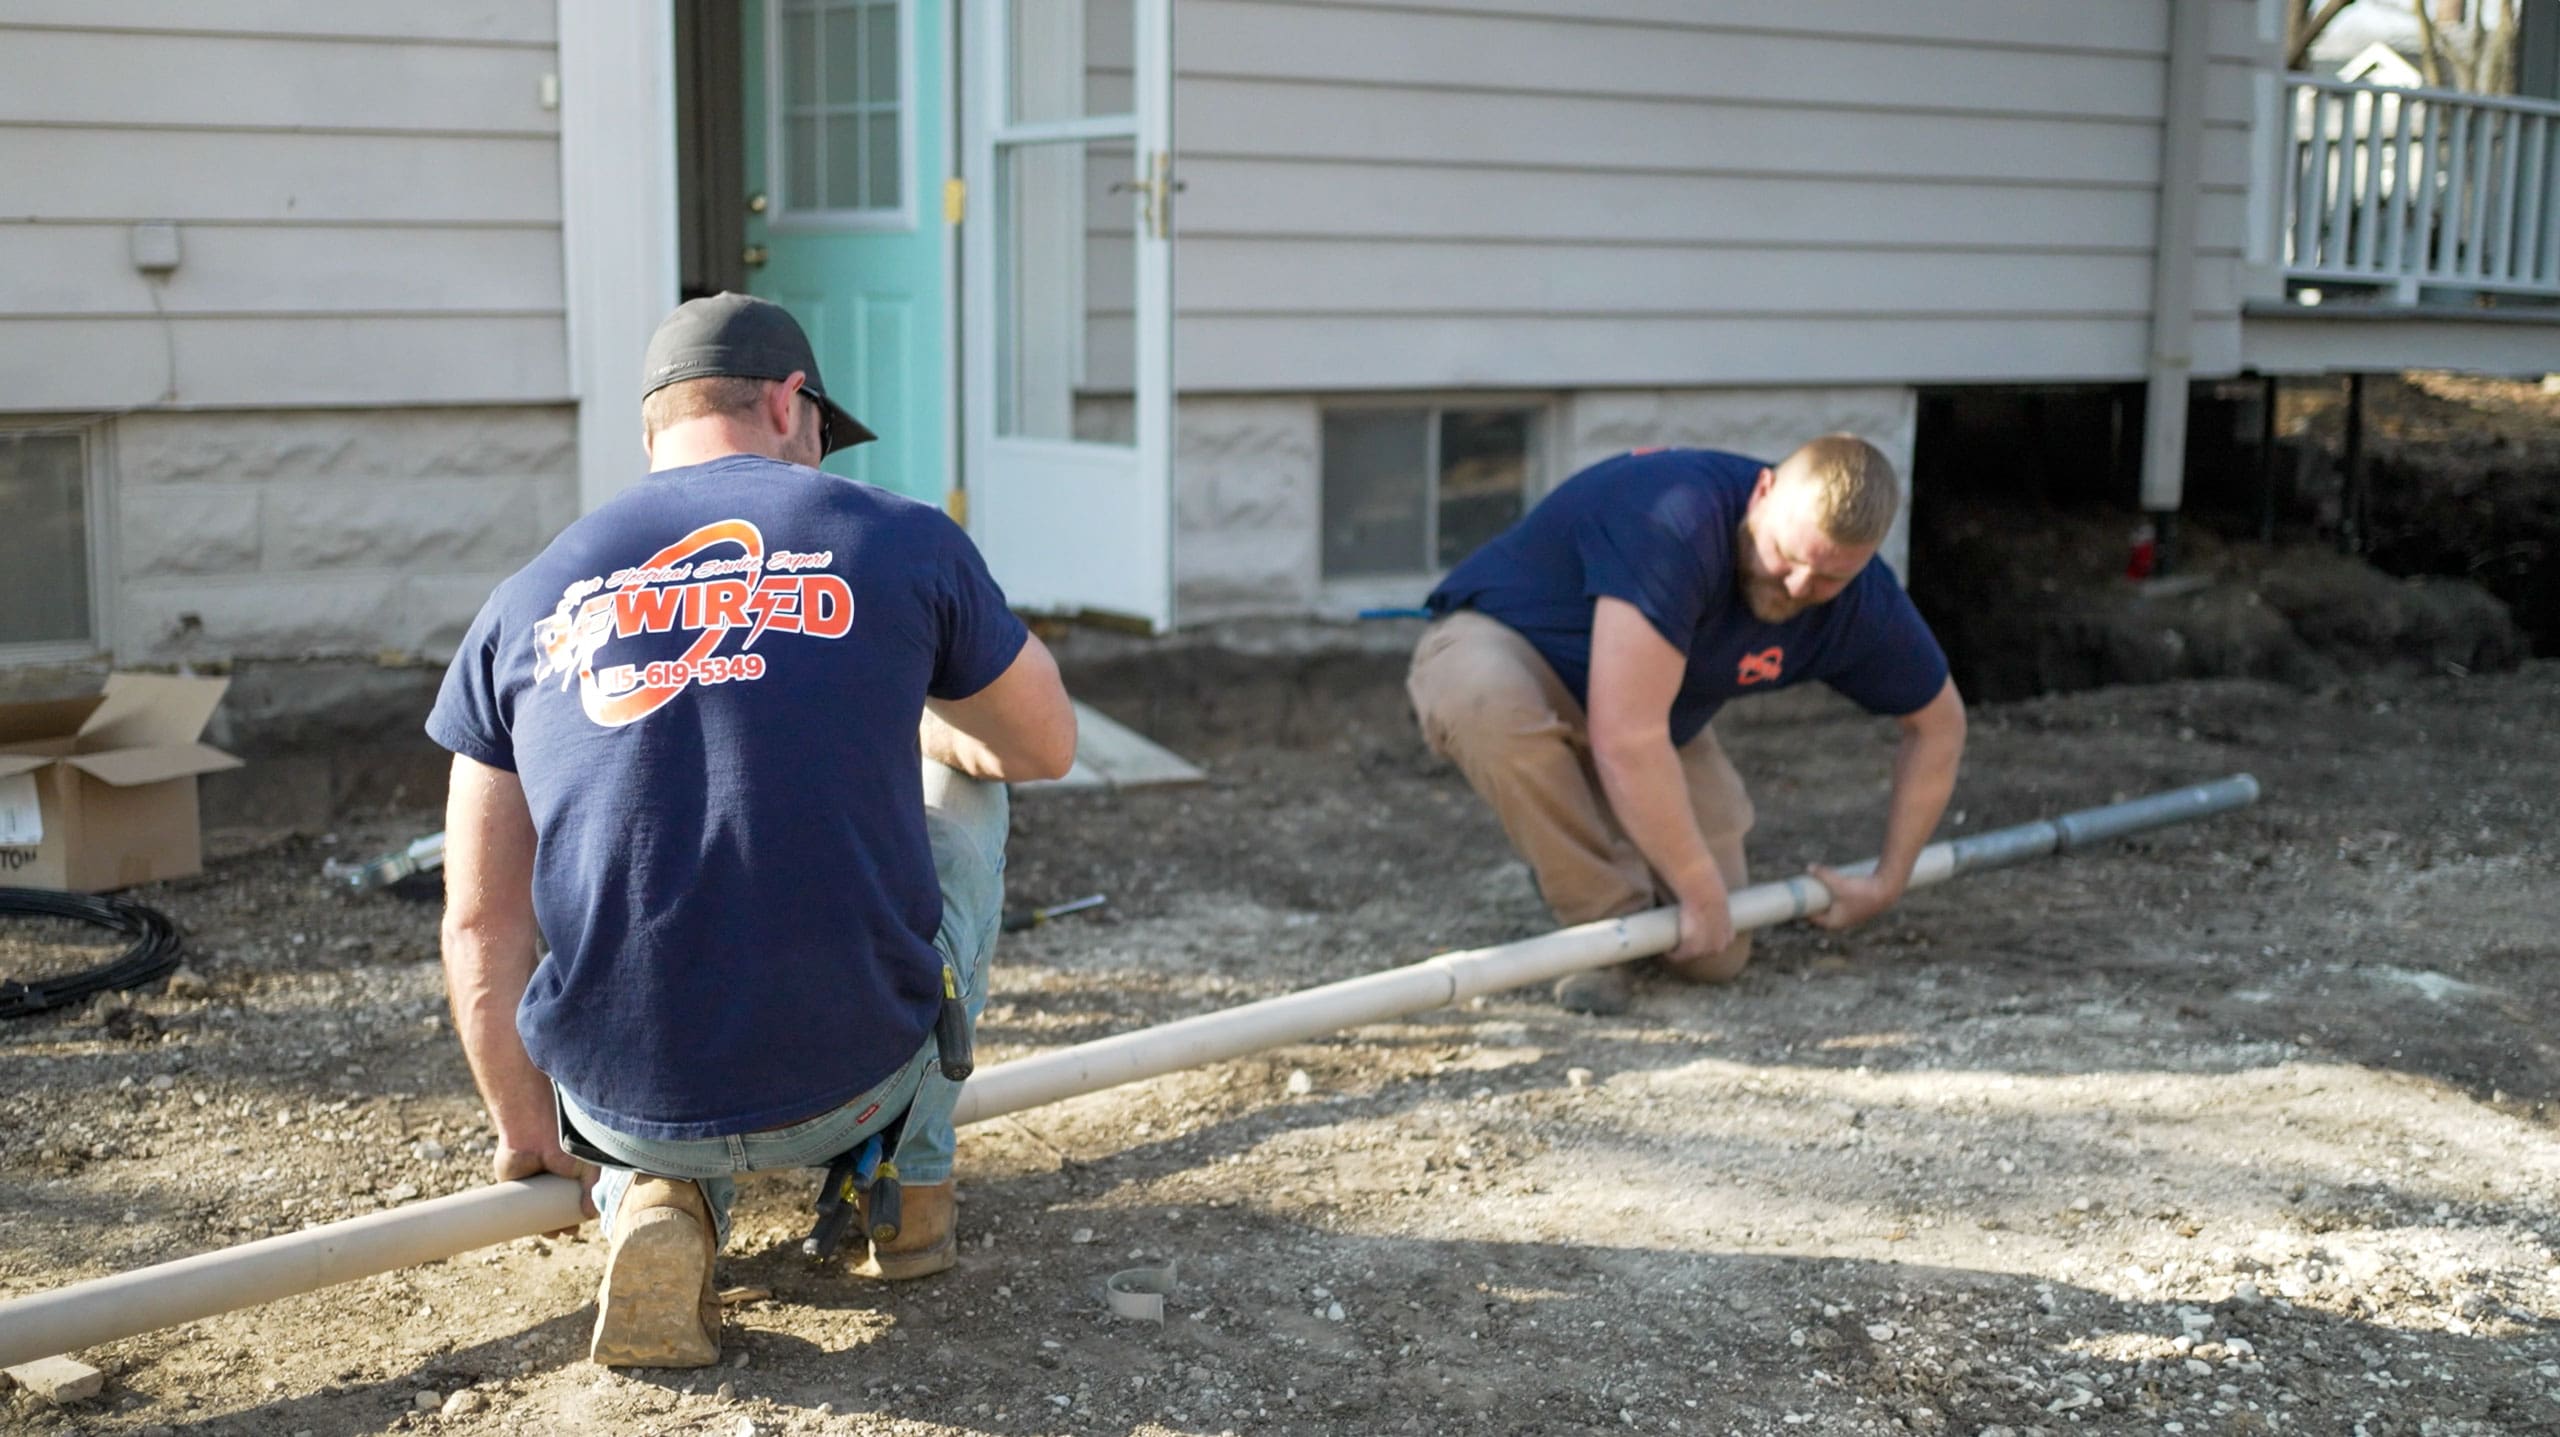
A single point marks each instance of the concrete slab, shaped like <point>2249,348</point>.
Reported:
<point>1110,754</point>
<point>59,1379</point>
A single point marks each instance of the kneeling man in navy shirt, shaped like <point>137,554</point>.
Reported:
<point>733,747</point>
<point>1576,660</point>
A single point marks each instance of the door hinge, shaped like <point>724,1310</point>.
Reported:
<point>955,200</point>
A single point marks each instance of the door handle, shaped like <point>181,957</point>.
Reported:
<point>755,256</point>
<point>1155,195</point>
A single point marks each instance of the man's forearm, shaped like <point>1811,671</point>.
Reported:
<point>1649,795</point>
<point>1924,778</point>
<point>951,748</point>
<point>486,974</point>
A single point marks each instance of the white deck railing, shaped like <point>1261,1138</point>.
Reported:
<point>2414,189</point>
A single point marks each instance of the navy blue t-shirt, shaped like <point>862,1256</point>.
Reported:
<point>1657,530</point>
<point>710,688</point>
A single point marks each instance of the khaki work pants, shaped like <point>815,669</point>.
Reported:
<point>1489,703</point>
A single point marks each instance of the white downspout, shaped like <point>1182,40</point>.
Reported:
<point>2173,274</point>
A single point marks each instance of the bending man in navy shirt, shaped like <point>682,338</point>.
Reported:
<point>732,747</point>
<point>1577,659</point>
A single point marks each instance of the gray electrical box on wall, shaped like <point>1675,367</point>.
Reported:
<point>155,247</point>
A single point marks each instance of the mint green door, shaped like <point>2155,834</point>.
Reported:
<point>847,127</point>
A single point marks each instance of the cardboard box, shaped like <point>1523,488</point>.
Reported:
<point>100,792</point>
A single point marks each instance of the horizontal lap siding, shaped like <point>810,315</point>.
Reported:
<point>1453,193</point>
<point>475,22</point>
<point>1351,278</point>
<point>367,196</point>
<point>252,270</point>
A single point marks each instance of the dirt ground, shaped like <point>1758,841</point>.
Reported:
<point>2242,1127</point>
<point>2021,537</point>
<point>2461,482</point>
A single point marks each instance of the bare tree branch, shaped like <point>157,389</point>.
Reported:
<point>2304,25</point>
<point>2497,67</point>
<point>2430,46</point>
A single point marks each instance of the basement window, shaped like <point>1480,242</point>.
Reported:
<point>1414,490</point>
<point>47,590</point>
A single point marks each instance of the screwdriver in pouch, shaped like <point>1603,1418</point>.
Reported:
<point>851,1172</point>
<point>951,1040</point>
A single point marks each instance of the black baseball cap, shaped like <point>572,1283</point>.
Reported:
<point>738,336</point>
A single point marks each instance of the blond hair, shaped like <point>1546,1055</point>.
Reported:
<point>695,398</point>
<point>1856,493</point>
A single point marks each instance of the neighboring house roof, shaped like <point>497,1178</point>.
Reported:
<point>2381,63</point>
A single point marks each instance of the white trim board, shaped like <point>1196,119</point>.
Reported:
<point>617,220</point>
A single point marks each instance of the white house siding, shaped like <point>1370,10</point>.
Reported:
<point>347,408</point>
<point>1437,194</point>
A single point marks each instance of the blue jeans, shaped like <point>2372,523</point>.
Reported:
<point>966,820</point>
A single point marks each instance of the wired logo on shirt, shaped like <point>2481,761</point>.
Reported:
<point>1762,667</point>
<point>711,583</point>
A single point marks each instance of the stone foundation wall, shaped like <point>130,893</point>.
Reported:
<point>303,533</point>
<point>1249,495</point>
<point>1763,422</point>
<point>1246,506</point>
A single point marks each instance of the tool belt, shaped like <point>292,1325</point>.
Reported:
<point>865,1168</point>
<point>864,1177</point>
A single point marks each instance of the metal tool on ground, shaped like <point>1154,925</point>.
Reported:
<point>423,855</point>
<point>104,1309</point>
<point>1022,918</point>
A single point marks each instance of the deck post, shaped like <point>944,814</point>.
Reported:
<point>2271,388</point>
<point>2352,538</point>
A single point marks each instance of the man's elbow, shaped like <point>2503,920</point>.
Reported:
<point>1953,724</point>
<point>1054,754</point>
<point>1040,767</point>
<point>1619,749</point>
<point>470,933</point>
<point>1941,725</point>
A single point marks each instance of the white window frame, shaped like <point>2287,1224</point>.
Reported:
<point>95,517</point>
<point>777,159</point>
<point>1539,479</point>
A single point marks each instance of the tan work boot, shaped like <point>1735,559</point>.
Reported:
<point>657,1307</point>
<point>1601,992</point>
<point>1721,967</point>
<point>926,1242</point>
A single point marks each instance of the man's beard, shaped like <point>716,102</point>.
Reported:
<point>1767,599</point>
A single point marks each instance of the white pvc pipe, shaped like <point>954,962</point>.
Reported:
<point>1437,982</point>
<point>104,1309</point>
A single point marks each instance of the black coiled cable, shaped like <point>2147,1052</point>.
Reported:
<point>156,949</point>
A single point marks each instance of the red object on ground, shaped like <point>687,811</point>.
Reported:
<point>2145,556</point>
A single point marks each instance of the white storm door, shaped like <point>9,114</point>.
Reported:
<point>1067,298</point>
